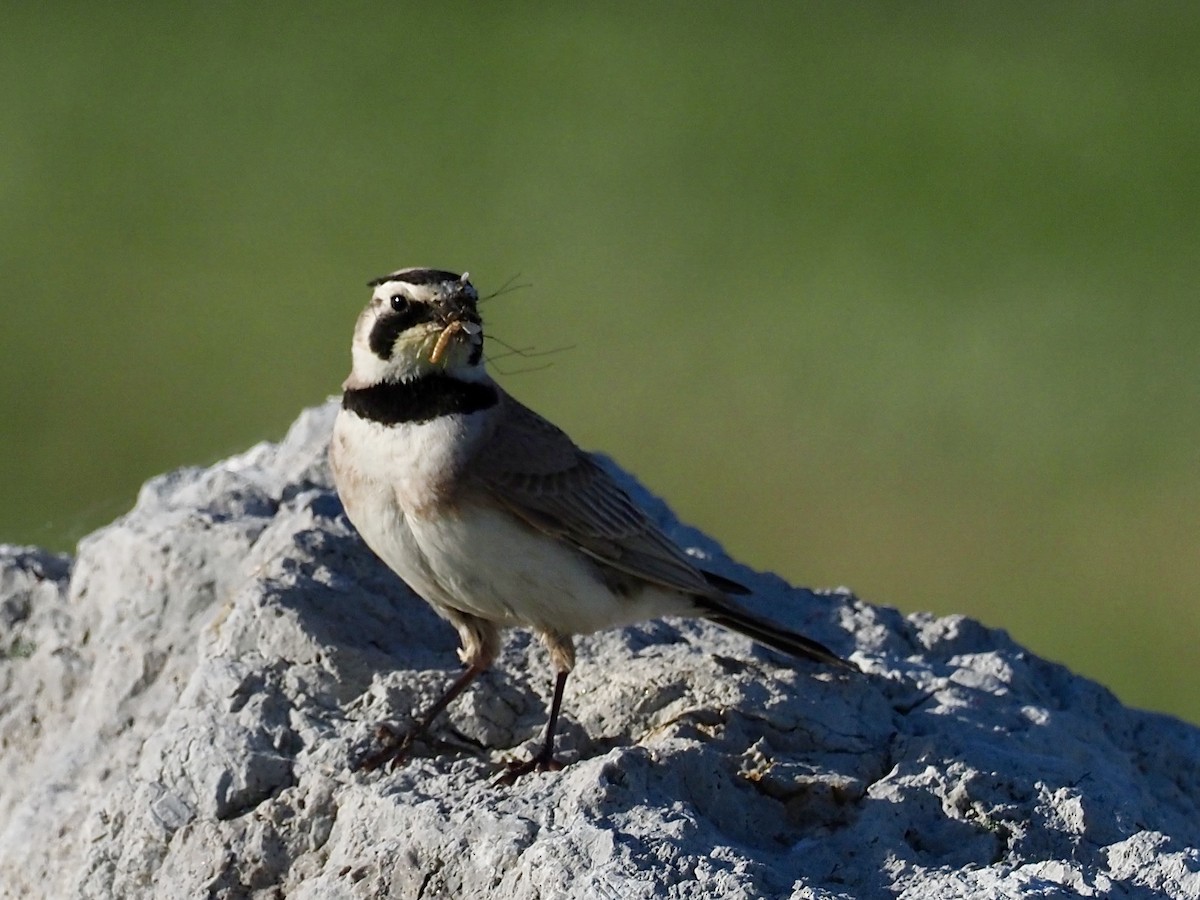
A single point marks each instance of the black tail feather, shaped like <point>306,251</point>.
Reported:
<point>770,634</point>
<point>723,584</point>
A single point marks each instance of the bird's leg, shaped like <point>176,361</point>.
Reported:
<point>395,746</point>
<point>544,761</point>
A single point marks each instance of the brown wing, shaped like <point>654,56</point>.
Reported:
<point>535,471</point>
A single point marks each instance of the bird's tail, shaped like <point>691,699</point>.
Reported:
<point>723,612</point>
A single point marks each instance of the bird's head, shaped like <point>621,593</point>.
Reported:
<point>418,322</point>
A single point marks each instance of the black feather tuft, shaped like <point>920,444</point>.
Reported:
<point>416,276</point>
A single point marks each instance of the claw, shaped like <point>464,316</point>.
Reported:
<point>394,750</point>
<point>396,745</point>
<point>543,762</point>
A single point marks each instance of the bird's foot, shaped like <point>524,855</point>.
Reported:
<point>394,749</point>
<point>543,762</point>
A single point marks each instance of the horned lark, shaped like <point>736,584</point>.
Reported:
<point>490,512</point>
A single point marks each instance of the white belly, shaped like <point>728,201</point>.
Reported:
<point>469,555</point>
<point>496,567</point>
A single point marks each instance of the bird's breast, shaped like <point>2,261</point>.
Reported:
<point>418,465</point>
<point>403,487</point>
<point>388,476</point>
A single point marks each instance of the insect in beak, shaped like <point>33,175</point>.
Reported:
<point>443,341</point>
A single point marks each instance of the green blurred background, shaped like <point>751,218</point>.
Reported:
<point>897,297</point>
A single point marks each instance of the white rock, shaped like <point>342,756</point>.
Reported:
<point>180,706</point>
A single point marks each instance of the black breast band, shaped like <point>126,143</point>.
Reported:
<point>422,400</point>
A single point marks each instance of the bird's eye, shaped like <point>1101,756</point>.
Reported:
<point>399,303</point>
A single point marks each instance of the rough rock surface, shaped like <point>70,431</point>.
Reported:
<point>181,702</point>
